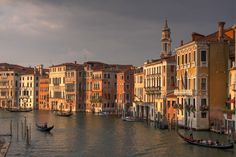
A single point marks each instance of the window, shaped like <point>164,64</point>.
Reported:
<point>165,46</point>
<point>168,103</point>
<point>127,97</point>
<point>203,102</point>
<point>172,81</point>
<point>186,58</point>
<point>172,67</point>
<point>203,84</point>
<point>203,56</point>
<point>178,60</point>
<point>194,53</point>
<point>203,114</point>
<point>182,59</point>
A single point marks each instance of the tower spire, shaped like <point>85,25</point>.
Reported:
<point>165,40</point>
<point>166,24</point>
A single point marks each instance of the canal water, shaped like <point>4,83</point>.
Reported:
<point>88,135</point>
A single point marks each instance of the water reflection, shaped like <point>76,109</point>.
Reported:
<point>88,135</point>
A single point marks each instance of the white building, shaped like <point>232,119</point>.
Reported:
<point>28,97</point>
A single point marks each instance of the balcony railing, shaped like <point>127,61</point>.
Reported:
<point>233,87</point>
<point>153,89</point>
<point>204,108</point>
<point>185,92</point>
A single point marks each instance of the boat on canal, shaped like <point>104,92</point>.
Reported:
<point>129,119</point>
<point>64,114</point>
<point>19,109</point>
<point>206,143</point>
<point>44,128</point>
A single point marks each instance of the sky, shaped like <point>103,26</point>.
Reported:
<point>51,32</point>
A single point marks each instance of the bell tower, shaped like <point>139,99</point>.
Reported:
<point>165,41</point>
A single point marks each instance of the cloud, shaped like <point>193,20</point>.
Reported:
<point>84,52</point>
<point>27,18</point>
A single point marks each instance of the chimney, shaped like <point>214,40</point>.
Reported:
<point>221,30</point>
<point>75,62</point>
<point>181,43</point>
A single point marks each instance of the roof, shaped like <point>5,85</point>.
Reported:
<point>66,64</point>
<point>213,37</point>
<point>160,60</point>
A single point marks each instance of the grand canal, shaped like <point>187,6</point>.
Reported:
<point>89,135</point>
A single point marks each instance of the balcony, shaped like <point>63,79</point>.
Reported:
<point>153,89</point>
<point>233,87</point>
<point>185,92</point>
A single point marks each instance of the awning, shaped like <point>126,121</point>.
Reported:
<point>230,101</point>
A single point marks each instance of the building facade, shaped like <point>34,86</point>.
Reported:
<point>9,86</point>
<point>159,76</point>
<point>230,108</point>
<point>125,89</point>
<point>44,93</point>
<point>201,72</point>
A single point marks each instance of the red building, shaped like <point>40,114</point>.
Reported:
<point>43,98</point>
<point>125,88</point>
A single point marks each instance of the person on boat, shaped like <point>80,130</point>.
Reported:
<point>45,125</point>
<point>191,136</point>
<point>217,142</point>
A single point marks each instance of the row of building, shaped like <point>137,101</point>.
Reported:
<point>195,86</point>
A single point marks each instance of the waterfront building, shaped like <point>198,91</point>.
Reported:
<point>125,89</point>
<point>202,66</point>
<point>159,76</point>
<point>139,93</point>
<point>44,93</point>
<point>89,67</point>
<point>103,90</point>
<point>28,92</point>
<point>73,87</point>
<point>59,88</point>
<point>171,115</point>
<point>230,108</point>
<point>9,86</point>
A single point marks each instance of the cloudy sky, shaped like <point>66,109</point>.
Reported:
<point>112,31</point>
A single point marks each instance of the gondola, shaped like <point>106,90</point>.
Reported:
<point>128,119</point>
<point>206,144</point>
<point>44,128</point>
<point>19,109</point>
<point>64,114</point>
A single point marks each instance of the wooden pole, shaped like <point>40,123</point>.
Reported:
<point>30,133</point>
<point>27,135</point>
<point>17,130</point>
<point>22,130</point>
<point>25,127</point>
<point>11,128</point>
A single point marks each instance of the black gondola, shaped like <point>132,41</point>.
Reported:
<point>19,109</point>
<point>44,128</point>
<point>206,144</point>
<point>64,114</point>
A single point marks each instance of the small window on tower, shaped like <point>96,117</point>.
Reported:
<point>165,46</point>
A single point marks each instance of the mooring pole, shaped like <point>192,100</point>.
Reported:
<point>22,130</point>
<point>17,130</point>
<point>11,128</point>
